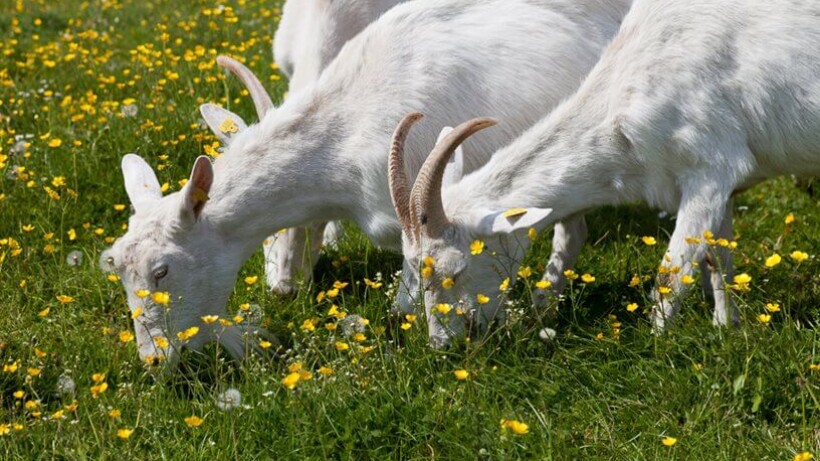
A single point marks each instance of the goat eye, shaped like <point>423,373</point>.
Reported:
<point>160,272</point>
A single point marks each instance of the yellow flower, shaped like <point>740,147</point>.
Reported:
<point>773,260</point>
<point>161,297</point>
<point>669,441</point>
<point>291,380</point>
<point>228,126</point>
<point>477,247</point>
<point>56,142</point>
<point>426,272</point>
<point>513,212</point>
<point>687,280</point>
<point>98,377</point>
<point>193,421</point>
<point>325,371</point>
<point>142,293</point>
<point>265,344</point>
<point>570,274</point>
<point>481,299</point>
<point>447,283</point>
<point>664,290</point>
<point>543,284</point>
<point>124,433</point>
<point>773,307</point>
<point>517,427</point>
<point>63,299</point>
<point>532,233</point>
<point>429,261</point>
<point>764,318</point>
<point>443,308</point>
<point>44,313</point>
<point>209,319</point>
<point>114,413</point>
<point>632,307</point>
<point>406,326</point>
<point>341,346</point>
<point>309,325</point>
<point>136,313</point>
<point>161,342</point>
<point>461,375</point>
<point>113,277</point>
<point>525,272</point>
<point>119,207</point>
<point>19,395</point>
<point>251,280</point>
<point>587,278</point>
<point>332,293</point>
<point>10,367</point>
<point>126,336</point>
<point>804,456</point>
<point>188,333</point>
<point>743,279</point>
<point>789,218</point>
<point>372,284</point>
<point>649,241</point>
<point>505,284</point>
<point>799,256</point>
<point>98,389</point>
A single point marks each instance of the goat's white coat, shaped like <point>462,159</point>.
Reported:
<point>322,155</point>
<point>692,102</point>
<point>310,35</point>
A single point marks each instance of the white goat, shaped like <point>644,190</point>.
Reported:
<point>310,35</point>
<point>322,155</point>
<point>691,102</point>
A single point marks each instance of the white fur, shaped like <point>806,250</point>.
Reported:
<point>310,35</point>
<point>323,154</point>
<point>691,102</point>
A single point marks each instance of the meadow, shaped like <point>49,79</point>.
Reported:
<point>84,82</point>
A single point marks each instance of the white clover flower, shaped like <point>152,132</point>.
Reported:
<point>229,399</point>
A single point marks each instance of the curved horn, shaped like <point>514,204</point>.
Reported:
<point>425,198</point>
<point>260,97</point>
<point>397,177</point>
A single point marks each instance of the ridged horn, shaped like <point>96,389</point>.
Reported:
<point>260,97</point>
<point>425,198</point>
<point>397,177</point>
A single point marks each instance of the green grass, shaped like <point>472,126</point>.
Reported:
<point>725,394</point>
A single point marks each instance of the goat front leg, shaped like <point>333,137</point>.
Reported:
<point>717,267</point>
<point>702,209</point>
<point>567,241</point>
<point>290,256</point>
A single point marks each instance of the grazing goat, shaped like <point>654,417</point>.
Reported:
<point>691,102</point>
<point>310,35</point>
<point>322,155</point>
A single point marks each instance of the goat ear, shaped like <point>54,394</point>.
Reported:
<point>454,170</point>
<point>141,183</point>
<point>515,219</point>
<point>223,123</point>
<point>195,193</point>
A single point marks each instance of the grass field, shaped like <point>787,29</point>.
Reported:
<point>82,83</point>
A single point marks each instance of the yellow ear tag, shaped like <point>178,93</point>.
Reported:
<point>515,212</point>
<point>228,126</point>
<point>199,195</point>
